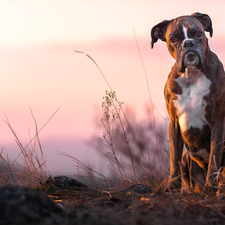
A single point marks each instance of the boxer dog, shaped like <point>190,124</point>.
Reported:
<point>195,101</point>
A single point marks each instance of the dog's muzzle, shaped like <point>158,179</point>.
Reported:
<point>191,55</point>
<point>191,59</point>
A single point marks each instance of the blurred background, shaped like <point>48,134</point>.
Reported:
<point>40,70</point>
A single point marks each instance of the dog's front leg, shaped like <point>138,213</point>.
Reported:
<point>176,149</point>
<point>215,171</point>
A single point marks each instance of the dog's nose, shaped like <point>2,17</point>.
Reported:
<point>188,43</point>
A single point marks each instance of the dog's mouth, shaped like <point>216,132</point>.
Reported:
<point>191,59</point>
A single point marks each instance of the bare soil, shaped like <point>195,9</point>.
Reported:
<point>81,205</point>
<point>128,207</point>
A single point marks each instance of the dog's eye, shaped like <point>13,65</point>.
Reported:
<point>173,39</point>
<point>198,34</point>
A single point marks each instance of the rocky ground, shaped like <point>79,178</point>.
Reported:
<point>68,201</point>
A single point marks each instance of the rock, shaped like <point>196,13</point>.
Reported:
<point>64,183</point>
<point>139,188</point>
<point>20,205</point>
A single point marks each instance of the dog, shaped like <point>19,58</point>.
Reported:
<point>195,100</point>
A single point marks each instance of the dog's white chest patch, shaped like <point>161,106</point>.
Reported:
<point>190,104</point>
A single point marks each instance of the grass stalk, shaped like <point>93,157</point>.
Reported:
<point>28,168</point>
<point>120,106</point>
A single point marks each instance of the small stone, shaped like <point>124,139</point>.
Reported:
<point>64,183</point>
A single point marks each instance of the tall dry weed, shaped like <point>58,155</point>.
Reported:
<point>142,157</point>
<point>29,167</point>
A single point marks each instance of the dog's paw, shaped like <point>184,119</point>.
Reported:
<point>210,187</point>
<point>215,183</point>
<point>173,183</point>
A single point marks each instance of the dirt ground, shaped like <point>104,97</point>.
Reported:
<point>135,207</point>
<point>82,205</point>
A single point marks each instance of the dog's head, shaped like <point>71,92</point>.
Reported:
<point>185,38</point>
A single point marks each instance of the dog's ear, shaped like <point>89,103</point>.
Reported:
<point>205,21</point>
<point>159,31</point>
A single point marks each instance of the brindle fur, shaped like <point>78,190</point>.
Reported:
<point>191,165</point>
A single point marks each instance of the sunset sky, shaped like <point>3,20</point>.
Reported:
<point>39,68</point>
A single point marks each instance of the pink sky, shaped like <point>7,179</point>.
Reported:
<point>40,69</point>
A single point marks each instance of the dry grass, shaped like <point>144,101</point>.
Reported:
<point>131,147</point>
<point>132,158</point>
<point>29,167</point>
